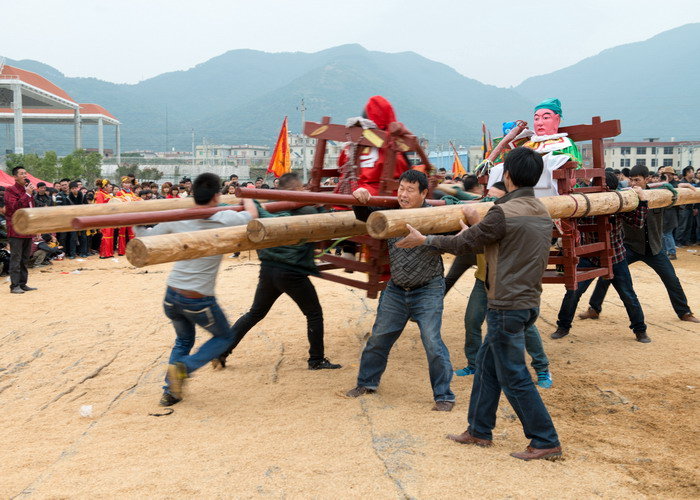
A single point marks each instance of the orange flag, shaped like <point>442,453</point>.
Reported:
<point>281,162</point>
<point>457,167</point>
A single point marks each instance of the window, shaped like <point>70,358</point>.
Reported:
<point>625,162</point>
<point>642,162</point>
<point>625,150</point>
<point>653,150</point>
<point>668,162</point>
<point>641,151</point>
<point>668,150</point>
<point>654,162</point>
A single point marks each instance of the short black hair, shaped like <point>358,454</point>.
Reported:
<point>46,237</point>
<point>73,184</point>
<point>17,169</point>
<point>625,171</point>
<point>685,170</point>
<point>40,184</point>
<point>617,171</point>
<point>442,169</point>
<point>65,179</point>
<point>639,170</point>
<point>524,166</point>
<point>204,187</point>
<point>232,176</point>
<point>415,176</point>
<point>500,185</point>
<point>612,181</point>
<point>259,179</point>
<point>288,178</point>
<point>469,182</point>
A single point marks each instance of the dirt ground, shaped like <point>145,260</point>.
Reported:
<point>266,426</point>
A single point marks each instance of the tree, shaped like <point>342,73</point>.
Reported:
<point>126,169</point>
<point>81,165</point>
<point>150,174</point>
<point>45,168</point>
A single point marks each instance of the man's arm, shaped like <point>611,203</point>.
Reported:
<point>362,212</point>
<point>489,230</point>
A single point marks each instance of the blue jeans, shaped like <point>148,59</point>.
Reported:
<point>684,231</point>
<point>669,243</point>
<point>663,267</point>
<point>395,307</point>
<point>500,366</point>
<point>185,313</point>
<point>622,281</point>
<point>473,319</point>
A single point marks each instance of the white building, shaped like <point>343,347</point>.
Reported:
<point>300,145</point>
<point>244,155</point>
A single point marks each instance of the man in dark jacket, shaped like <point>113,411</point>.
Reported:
<point>515,236</point>
<point>42,198</point>
<point>17,196</point>
<point>645,244</point>
<point>286,269</point>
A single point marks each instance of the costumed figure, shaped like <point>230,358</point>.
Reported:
<point>556,148</point>
<point>102,195</point>
<point>125,194</point>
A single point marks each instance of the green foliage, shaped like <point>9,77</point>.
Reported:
<point>126,169</point>
<point>150,174</point>
<point>81,165</point>
<point>45,168</point>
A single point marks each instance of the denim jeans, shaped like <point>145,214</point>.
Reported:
<point>395,307</point>
<point>622,281</point>
<point>272,283</point>
<point>684,231</point>
<point>20,251</point>
<point>663,267</point>
<point>500,367</point>
<point>473,319</point>
<point>669,243</point>
<point>185,313</point>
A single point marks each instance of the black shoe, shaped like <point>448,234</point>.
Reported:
<point>168,399</point>
<point>16,290</point>
<point>359,391</point>
<point>27,288</point>
<point>323,364</point>
<point>560,333</point>
<point>219,363</point>
<point>642,337</point>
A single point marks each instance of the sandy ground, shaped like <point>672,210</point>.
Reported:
<point>626,412</point>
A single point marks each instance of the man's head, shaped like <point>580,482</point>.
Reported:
<point>471,184</point>
<point>57,186</point>
<point>442,173</point>
<point>547,117</point>
<point>63,185</point>
<point>612,181</point>
<point>688,173</point>
<point>205,189</point>
<point>413,188</point>
<point>522,168</point>
<point>233,178</point>
<point>20,175</point>
<point>290,182</point>
<point>276,184</point>
<point>498,190</point>
<point>74,187</point>
<point>41,188</point>
<point>46,237</point>
<point>625,174</point>
<point>638,176</point>
<point>258,182</point>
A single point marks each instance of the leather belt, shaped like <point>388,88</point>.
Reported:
<point>188,293</point>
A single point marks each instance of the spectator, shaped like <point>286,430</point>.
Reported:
<point>76,241</point>
<point>18,196</point>
<point>165,189</point>
<point>44,252</point>
<point>4,260</point>
<point>685,233</point>
<point>259,182</point>
<point>42,198</point>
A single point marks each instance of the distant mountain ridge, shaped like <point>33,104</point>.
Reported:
<point>242,95</point>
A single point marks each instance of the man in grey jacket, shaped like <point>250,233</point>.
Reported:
<point>515,236</point>
<point>189,298</point>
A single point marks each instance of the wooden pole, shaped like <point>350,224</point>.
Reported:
<point>315,197</point>
<point>315,227</point>
<point>141,218</point>
<point>433,220</point>
<point>59,219</point>
<point>150,250</point>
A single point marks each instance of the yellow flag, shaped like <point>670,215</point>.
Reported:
<point>281,162</point>
<point>457,167</point>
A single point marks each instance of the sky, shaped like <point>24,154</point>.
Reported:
<point>498,43</point>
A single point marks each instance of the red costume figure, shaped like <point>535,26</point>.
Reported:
<point>107,241</point>
<point>125,233</point>
<point>371,159</point>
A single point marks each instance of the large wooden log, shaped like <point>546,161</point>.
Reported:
<point>141,218</point>
<point>150,250</point>
<point>392,223</point>
<point>322,198</point>
<point>315,227</point>
<point>59,219</point>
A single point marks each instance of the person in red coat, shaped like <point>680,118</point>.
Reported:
<point>102,195</point>
<point>19,195</point>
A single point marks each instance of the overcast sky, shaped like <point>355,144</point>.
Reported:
<point>499,43</point>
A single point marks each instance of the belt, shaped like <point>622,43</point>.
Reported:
<point>411,288</point>
<point>188,293</point>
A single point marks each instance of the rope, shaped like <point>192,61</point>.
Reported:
<point>576,205</point>
<point>622,200</point>
<point>588,205</point>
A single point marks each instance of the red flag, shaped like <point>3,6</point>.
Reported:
<point>457,167</point>
<point>281,162</point>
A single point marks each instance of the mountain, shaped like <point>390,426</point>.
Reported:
<point>241,96</point>
<point>653,86</point>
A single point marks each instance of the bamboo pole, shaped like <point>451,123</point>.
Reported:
<point>433,220</point>
<point>314,227</point>
<point>150,250</point>
<point>59,219</point>
<point>141,218</point>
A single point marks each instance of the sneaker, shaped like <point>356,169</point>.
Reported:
<point>359,391</point>
<point>444,406</point>
<point>544,379</point>
<point>642,337</point>
<point>168,399</point>
<point>560,333</point>
<point>323,364</point>
<point>177,374</point>
<point>467,370</point>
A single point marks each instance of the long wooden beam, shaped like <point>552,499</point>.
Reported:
<point>59,219</point>
<point>322,198</point>
<point>141,218</point>
<point>315,227</point>
<point>433,220</point>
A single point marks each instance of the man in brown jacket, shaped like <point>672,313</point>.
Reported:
<point>515,236</point>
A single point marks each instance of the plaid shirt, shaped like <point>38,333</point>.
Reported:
<point>634,219</point>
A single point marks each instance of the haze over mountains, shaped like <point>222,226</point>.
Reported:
<point>241,96</point>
